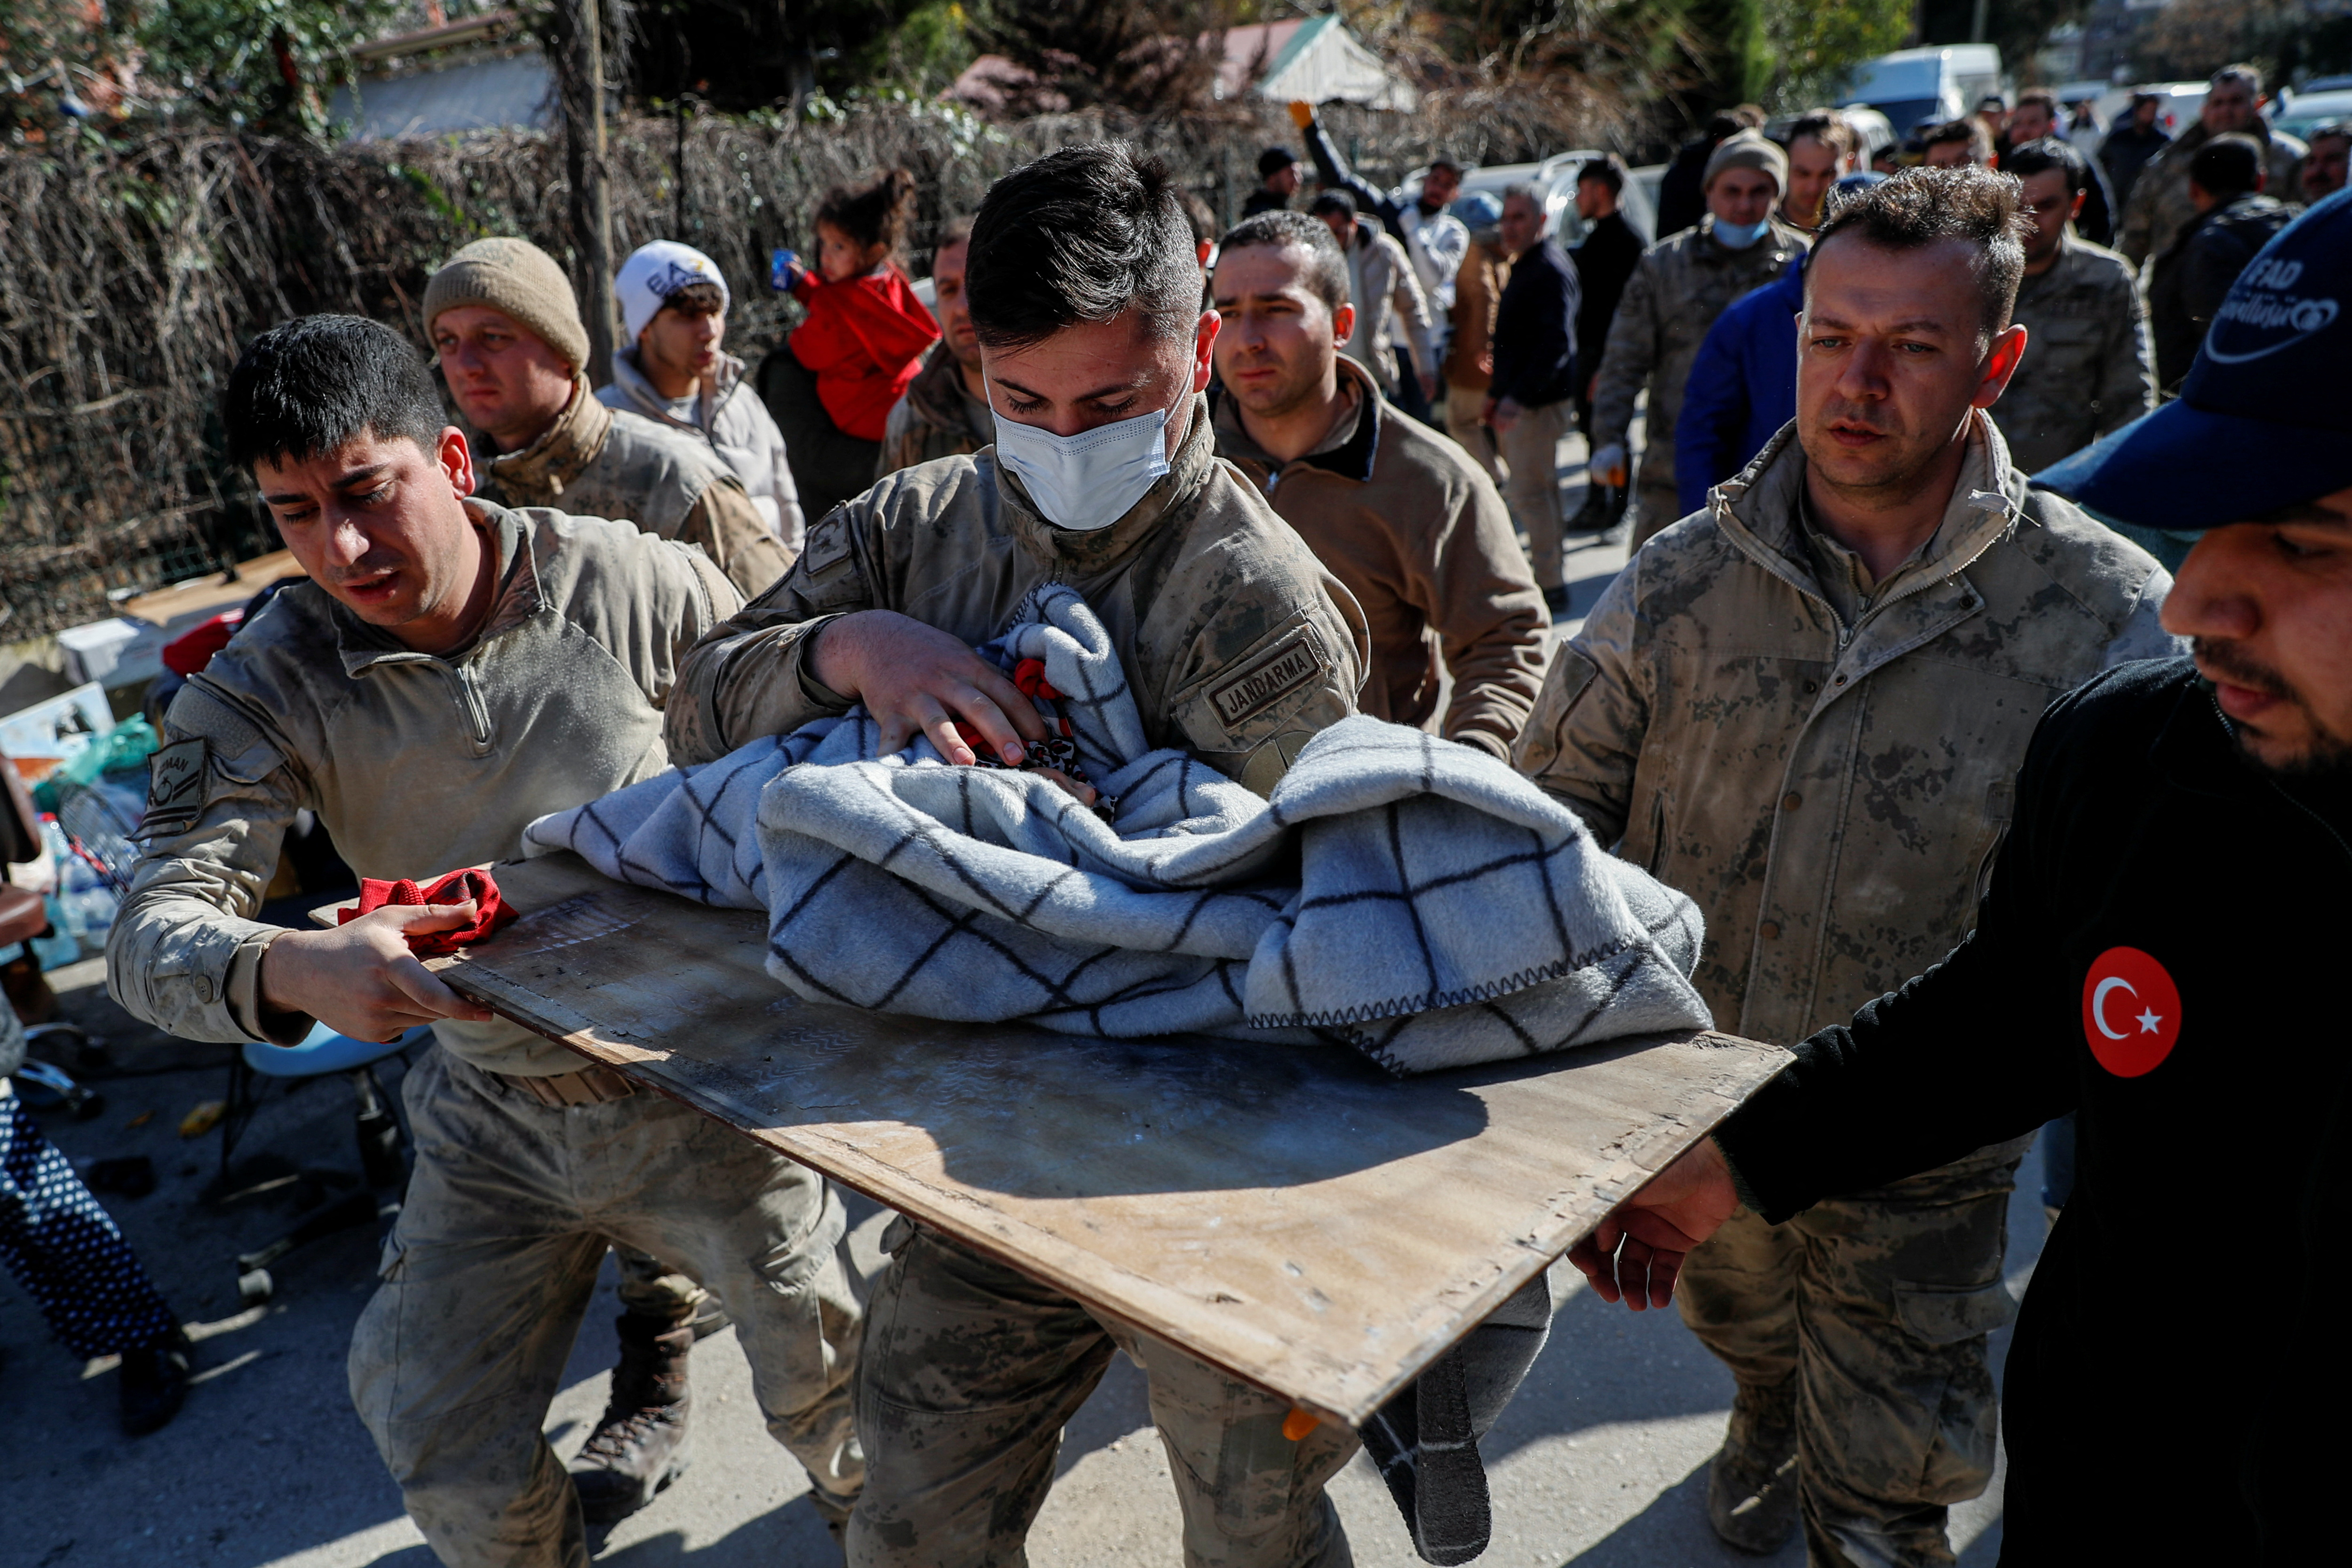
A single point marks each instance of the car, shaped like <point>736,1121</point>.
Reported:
<point>1555,177</point>
<point>1917,86</point>
<point>2306,111</point>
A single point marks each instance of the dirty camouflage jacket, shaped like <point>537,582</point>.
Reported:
<point>2088,367</point>
<point>1679,287</point>
<point>937,417</point>
<point>416,763</point>
<point>1402,516</point>
<point>595,461</point>
<point>1831,796</point>
<point>2160,206</point>
<point>1239,644</point>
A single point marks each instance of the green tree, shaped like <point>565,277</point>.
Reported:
<point>1815,43</point>
<point>259,61</point>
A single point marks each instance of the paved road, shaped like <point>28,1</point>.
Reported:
<point>1599,1462</point>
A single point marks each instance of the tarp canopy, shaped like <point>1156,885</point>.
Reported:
<point>1316,60</point>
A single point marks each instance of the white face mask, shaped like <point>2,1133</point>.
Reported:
<point>1739,235</point>
<point>1089,480</point>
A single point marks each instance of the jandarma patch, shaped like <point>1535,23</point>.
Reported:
<point>175,788</point>
<point>1291,665</point>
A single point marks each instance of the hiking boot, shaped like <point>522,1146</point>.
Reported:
<point>154,1379</point>
<point>639,1446</point>
<point>1751,1483</point>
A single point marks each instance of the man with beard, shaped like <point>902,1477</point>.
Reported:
<point>1805,706</point>
<point>2161,203</point>
<point>945,410</point>
<point>2153,957</point>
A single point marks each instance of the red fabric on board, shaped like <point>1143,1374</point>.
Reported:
<point>491,911</point>
<point>864,340</point>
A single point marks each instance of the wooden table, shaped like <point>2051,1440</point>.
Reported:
<point>1292,1214</point>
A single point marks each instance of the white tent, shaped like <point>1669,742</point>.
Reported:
<point>1316,60</point>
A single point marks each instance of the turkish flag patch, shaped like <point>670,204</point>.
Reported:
<point>2131,1012</point>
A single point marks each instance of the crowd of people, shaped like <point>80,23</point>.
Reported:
<point>1897,685</point>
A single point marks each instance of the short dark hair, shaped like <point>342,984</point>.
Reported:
<point>2046,96</point>
<point>2333,131</point>
<point>2251,76</point>
<point>1829,128</point>
<point>876,212</point>
<point>696,300</point>
<point>1970,131</point>
<point>1445,160</point>
<point>1922,205</point>
<point>311,385</point>
<point>1332,201</point>
<point>1326,266</point>
<point>1084,234</point>
<point>2227,165</point>
<point>1275,160</point>
<point>2048,153</point>
<point>1608,169</point>
<point>1725,123</point>
<point>956,231</point>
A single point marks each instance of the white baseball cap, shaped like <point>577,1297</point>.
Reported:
<point>653,272</point>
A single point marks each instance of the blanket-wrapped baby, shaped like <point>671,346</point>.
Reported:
<point>1413,898</point>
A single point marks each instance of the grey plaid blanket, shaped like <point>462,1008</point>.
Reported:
<point>1413,898</point>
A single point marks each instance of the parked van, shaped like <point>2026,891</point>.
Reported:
<point>1912,87</point>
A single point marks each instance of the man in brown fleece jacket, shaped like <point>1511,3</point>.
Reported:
<point>1397,512</point>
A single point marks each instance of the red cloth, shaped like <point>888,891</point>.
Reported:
<point>864,341</point>
<point>491,913</point>
<point>188,653</point>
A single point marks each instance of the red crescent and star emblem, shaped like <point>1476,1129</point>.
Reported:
<point>2131,1012</point>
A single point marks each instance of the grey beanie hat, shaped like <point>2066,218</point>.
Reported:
<point>520,279</point>
<point>1748,149</point>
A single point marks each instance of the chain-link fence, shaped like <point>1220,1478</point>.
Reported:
<point>135,273</point>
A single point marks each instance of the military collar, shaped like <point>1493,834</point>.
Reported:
<point>1350,457</point>
<point>537,475</point>
<point>1779,241</point>
<point>520,596</point>
<point>938,395</point>
<point>1756,511</point>
<point>1084,553</point>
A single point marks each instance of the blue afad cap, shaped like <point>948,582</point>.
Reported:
<point>2264,419</point>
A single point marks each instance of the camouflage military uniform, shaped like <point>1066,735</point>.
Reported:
<point>595,461</point>
<point>1681,286</point>
<point>2160,206</point>
<point>1827,765</point>
<point>416,765</point>
<point>2088,366</point>
<point>937,417</point>
<point>1239,646</point>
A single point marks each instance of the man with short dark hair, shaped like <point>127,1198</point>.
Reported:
<point>944,412</point>
<point>2131,143</point>
<point>1683,283</point>
<point>2159,808</point>
<point>1399,514</point>
<point>1435,240</point>
<point>1277,181</point>
<point>1804,706</point>
<point>1823,147</point>
<point>2162,205</point>
<point>1396,337</point>
<point>2327,167</point>
<point>2088,367</point>
<point>1605,258</point>
<point>675,373</point>
<point>1085,296</point>
<point>501,317</point>
<point>1956,144</point>
<point>2038,117</point>
<point>451,670</point>
<point>2234,219</point>
<point>1529,397</point>
<point>1682,189</point>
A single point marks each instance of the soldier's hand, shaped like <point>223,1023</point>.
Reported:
<point>1635,1253</point>
<point>1302,113</point>
<point>915,679</point>
<point>359,979</point>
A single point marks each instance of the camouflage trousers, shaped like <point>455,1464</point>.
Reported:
<point>1871,1311</point>
<point>490,1267</point>
<point>971,1369</point>
<point>1531,451</point>
<point>1655,508</point>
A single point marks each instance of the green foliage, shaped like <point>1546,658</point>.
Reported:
<point>260,61</point>
<point>1815,43</point>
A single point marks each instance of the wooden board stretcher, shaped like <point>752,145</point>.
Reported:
<point>1292,1215</point>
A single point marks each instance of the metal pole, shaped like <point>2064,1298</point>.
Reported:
<point>597,243</point>
<point>1976,27</point>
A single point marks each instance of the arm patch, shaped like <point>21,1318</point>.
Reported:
<point>175,788</point>
<point>1291,664</point>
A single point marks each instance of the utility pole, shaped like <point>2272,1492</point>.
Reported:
<point>1977,26</point>
<point>592,191</point>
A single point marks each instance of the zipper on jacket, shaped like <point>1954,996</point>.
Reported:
<point>470,698</point>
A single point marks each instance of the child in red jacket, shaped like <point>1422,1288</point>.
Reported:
<point>866,332</point>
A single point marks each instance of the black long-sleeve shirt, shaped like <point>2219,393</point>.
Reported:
<point>1605,259</point>
<point>1535,329</point>
<point>2160,951</point>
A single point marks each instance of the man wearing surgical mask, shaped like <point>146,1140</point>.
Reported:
<point>1085,293</point>
<point>1682,285</point>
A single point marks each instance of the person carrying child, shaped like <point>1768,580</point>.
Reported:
<point>862,344</point>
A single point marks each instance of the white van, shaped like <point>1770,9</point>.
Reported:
<point>1911,86</point>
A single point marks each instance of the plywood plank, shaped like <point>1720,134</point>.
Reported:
<point>1292,1214</point>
